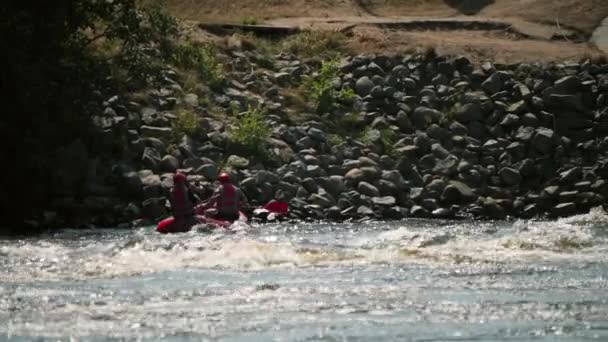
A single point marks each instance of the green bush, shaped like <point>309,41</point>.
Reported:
<point>335,140</point>
<point>250,21</point>
<point>322,89</point>
<point>387,138</point>
<point>251,133</point>
<point>186,123</point>
<point>202,60</point>
<point>315,43</point>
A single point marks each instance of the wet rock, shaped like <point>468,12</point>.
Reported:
<point>154,208</point>
<point>564,210</point>
<point>365,211</point>
<point>443,213</point>
<point>418,211</point>
<point>492,209</point>
<point>457,192</point>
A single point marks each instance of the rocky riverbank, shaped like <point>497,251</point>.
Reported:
<point>422,136</point>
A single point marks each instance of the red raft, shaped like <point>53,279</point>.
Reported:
<point>169,225</point>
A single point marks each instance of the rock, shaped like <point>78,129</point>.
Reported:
<point>151,158</point>
<point>368,189</point>
<point>237,162</point>
<point>493,209</point>
<point>424,116</point>
<point>209,171</point>
<point>564,102</point>
<point>530,211</point>
<point>365,211</point>
<point>443,213</point>
<point>567,84</point>
<point>543,140</point>
<point>418,211</point>
<point>564,210</point>
<point>310,185</point>
<point>335,185</point>
<point>457,192</point>
<point>169,164</point>
<point>321,200</point>
<point>510,176</point>
<point>493,84</point>
<point>154,208</point>
<point>364,86</point>
<point>468,112</point>
<point>510,120</point>
<point>317,134</point>
<point>386,201</point>
<point>131,184</point>
<point>518,108</point>
<point>530,120</point>
<point>131,212</point>
<point>571,176</point>
<point>163,133</point>
<point>439,151</point>
<point>404,123</point>
<point>458,128</point>
<point>264,176</point>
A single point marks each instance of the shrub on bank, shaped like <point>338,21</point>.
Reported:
<point>323,89</point>
<point>202,60</point>
<point>251,133</point>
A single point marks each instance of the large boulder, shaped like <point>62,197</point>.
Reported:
<point>457,192</point>
<point>154,208</point>
<point>364,86</point>
<point>468,112</point>
<point>151,158</point>
<point>368,189</point>
<point>424,116</point>
<point>169,163</point>
<point>543,140</point>
<point>163,133</point>
<point>510,176</point>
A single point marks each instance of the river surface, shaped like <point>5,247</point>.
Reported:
<point>413,280</point>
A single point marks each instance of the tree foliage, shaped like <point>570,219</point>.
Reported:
<point>54,79</point>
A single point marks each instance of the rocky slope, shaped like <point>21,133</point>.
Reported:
<point>427,136</point>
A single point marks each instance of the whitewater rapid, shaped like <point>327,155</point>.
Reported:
<point>407,280</point>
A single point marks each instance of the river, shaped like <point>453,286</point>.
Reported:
<point>413,280</point>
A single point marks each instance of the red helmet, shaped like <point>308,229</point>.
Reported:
<point>224,177</point>
<point>179,178</point>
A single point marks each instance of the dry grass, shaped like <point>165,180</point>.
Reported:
<point>536,18</point>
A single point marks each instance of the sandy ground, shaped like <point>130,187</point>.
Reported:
<point>551,30</point>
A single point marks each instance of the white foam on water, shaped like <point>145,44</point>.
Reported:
<point>572,239</point>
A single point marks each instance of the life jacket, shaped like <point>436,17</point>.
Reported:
<point>229,201</point>
<point>181,204</point>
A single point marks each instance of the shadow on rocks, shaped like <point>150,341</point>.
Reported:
<point>469,7</point>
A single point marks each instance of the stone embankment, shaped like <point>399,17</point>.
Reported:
<point>482,141</point>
